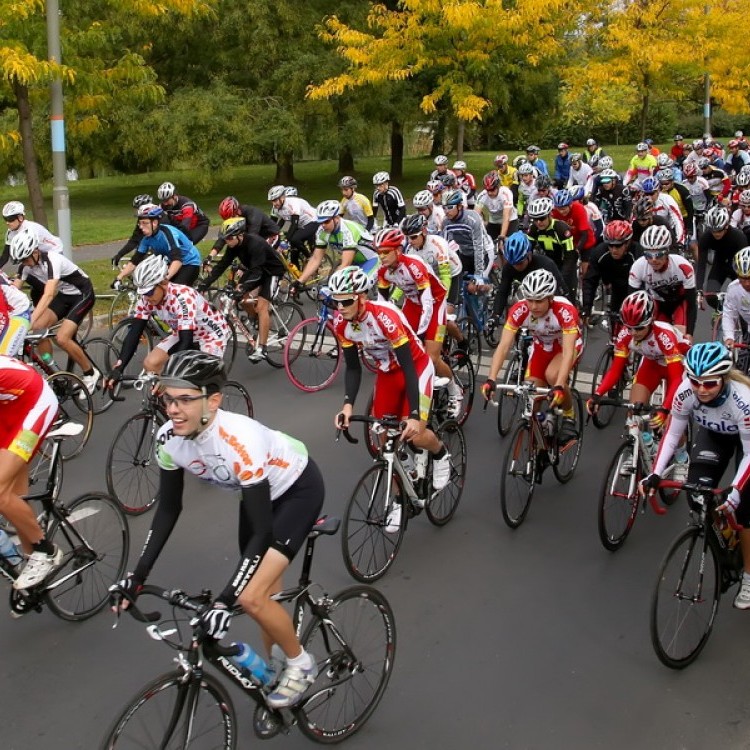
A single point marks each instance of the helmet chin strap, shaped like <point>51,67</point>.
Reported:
<point>205,416</point>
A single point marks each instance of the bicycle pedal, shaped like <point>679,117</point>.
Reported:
<point>267,724</point>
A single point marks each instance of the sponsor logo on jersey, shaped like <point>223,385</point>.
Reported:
<point>166,436</point>
<point>232,442</point>
<point>386,322</point>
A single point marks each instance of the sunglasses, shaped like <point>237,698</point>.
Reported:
<point>385,250</point>
<point>638,328</point>
<point>541,218</point>
<point>10,219</point>
<point>181,401</point>
<point>708,384</point>
<point>617,244</point>
<point>655,256</point>
<point>348,302</point>
<point>150,292</point>
<point>414,236</point>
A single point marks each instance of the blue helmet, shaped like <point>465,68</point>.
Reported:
<point>516,248</point>
<point>577,192</point>
<point>453,198</point>
<point>650,185</point>
<point>708,359</point>
<point>562,198</point>
<point>149,211</point>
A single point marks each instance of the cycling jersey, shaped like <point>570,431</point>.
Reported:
<point>357,208</point>
<point>187,217</point>
<point>718,182</point>
<point>496,206</point>
<point>348,235</point>
<point>665,206</point>
<point>508,177</point>
<point>436,174</point>
<point>256,222</point>
<point>72,280</point>
<point>724,249</point>
<point>699,193</point>
<point>561,318</point>
<point>580,176</point>
<point>47,241</point>
<point>580,227</point>
<point>392,203</point>
<point>254,254</point>
<point>295,206</point>
<point>613,203</point>
<point>741,219</point>
<point>468,185</point>
<point>668,285</point>
<point>441,256</point>
<point>640,167</point>
<point>509,274</point>
<point>682,197</point>
<point>471,238</point>
<point>736,308</point>
<point>171,243</point>
<point>436,219</point>
<point>613,273</point>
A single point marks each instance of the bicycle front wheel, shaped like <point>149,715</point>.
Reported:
<point>122,307</point>
<point>355,645</point>
<point>441,507</point>
<point>236,398</point>
<point>284,318</point>
<point>604,414</point>
<point>312,357</point>
<point>508,402</point>
<point>685,599</point>
<point>74,405</point>
<point>569,452</point>
<point>170,714</point>
<point>618,498</point>
<point>368,544</point>
<point>103,355</point>
<point>95,542</point>
<point>517,481</point>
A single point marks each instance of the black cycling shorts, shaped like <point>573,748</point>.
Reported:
<point>73,307</point>
<point>186,275</point>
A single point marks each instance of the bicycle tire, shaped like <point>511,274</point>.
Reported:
<point>570,453</point>
<point>352,677</point>
<point>230,350</point>
<point>103,355</point>
<point>131,471</point>
<point>39,468</point>
<point>470,332</point>
<point>519,464</point>
<point>145,344</point>
<point>144,721</point>
<point>236,398</point>
<point>122,307</point>
<point>312,356</point>
<point>368,549</point>
<point>442,505</point>
<point>284,318</point>
<point>100,555</point>
<point>74,405</point>
<point>679,604</point>
<point>508,402</point>
<point>604,414</point>
<point>463,372</point>
<point>618,498</point>
<point>85,326</point>
<point>372,436</point>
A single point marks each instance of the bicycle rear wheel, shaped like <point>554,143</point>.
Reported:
<point>312,356</point>
<point>284,318</point>
<point>463,371</point>
<point>570,452</point>
<point>200,714</point>
<point>39,469</point>
<point>95,542</point>
<point>355,646</point>
<point>605,413</point>
<point>75,405</point>
<point>145,345</point>
<point>618,497</point>
<point>508,402</point>
<point>368,549</point>
<point>685,599</point>
<point>236,398</point>
<point>441,507</point>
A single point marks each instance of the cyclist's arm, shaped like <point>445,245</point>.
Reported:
<point>137,326</point>
<point>347,257</point>
<point>50,290</point>
<point>612,376</point>
<point>675,373</point>
<point>406,361</point>
<point>691,298</point>
<point>312,265</point>
<point>293,226</point>
<point>667,445</point>
<point>700,266</point>
<point>428,304</point>
<point>185,341</point>
<point>129,246</point>
<point>503,290</point>
<point>219,268</point>
<point>590,284</point>
<point>729,319</point>
<point>352,374</point>
<point>501,353</point>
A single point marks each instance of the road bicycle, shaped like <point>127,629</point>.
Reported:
<point>741,336</point>
<point>292,274</point>
<point>352,636</point>
<point>509,400</point>
<point>92,533</point>
<point>131,470</point>
<point>534,445</point>
<point>703,562</point>
<point>370,540</point>
<point>474,320</point>
<point>619,496</point>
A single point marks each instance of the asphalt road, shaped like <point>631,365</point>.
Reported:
<point>536,638</point>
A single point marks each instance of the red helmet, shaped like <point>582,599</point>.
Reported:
<point>637,310</point>
<point>229,207</point>
<point>617,232</point>
<point>491,181</point>
<point>391,238</point>
<point>690,169</point>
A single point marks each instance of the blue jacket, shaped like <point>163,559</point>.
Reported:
<point>171,243</point>
<point>562,168</point>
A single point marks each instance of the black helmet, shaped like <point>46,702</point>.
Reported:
<point>194,369</point>
<point>347,182</point>
<point>142,200</point>
<point>413,224</point>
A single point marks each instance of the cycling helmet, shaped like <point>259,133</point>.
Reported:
<point>347,182</point>
<point>526,168</point>
<point>327,210</point>
<point>650,185</point>
<point>617,232</point>
<point>698,143</point>
<point>543,182</point>
<point>703,163</point>
<point>642,146</point>
<point>741,263</point>
<point>23,244</point>
<point>644,208</point>
<point>194,369</point>
<point>423,199</point>
<point>576,157</point>
<point>233,226</point>
<point>448,179</point>
<point>150,211</point>
<point>665,175</point>
<point>13,208</point>
<point>459,165</point>
<point>349,280</point>
<point>608,175</point>
<point>708,359</point>
<point>150,272</point>
<point>745,198</point>
<point>290,190</point>
<point>379,178</point>
<point>165,191</point>
<point>142,200</point>
<point>733,143</point>
<point>391,238</point>
<point>745,169</point>
<point>664,160</point>
<point>538,284</point>
<point>637,310</point>
<point>678,137</point>
<point>742,179</point>
<point>532,149</point>
<point>591,142</point>
<point>690,169</point>
<point>539,208</point>
<point>491,181</point>
<point>276,192</point>
<point>520,159</point>
<point>435,186</point>
<point>453,198</point>
<point>413,224</point>
<point>717,218</point>
<point>594,161</point>
<point>562,198</point>
<point>635,187</point>
<point>562,145</point>
<point>229,207</point>
<point>501,159</point>
<point>606,162</point>
<point>656,238</point>
<point>441,160</point>
<point>516,247</point>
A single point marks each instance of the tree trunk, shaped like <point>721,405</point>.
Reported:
<point>397,151</point>
<point>644,114</point>
<point>284,168</point>
<point>460,132</point>
<point>31,168</point>
<point>346,159</point>
<point>438,137</point>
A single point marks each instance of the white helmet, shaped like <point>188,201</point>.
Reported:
<point>742,263</point>
<point>13,208</point>
<point>538,284</point>
<point>23,244</point>
<point>276,192</point>
<point>166,191</point>
<point>642,146</point>
<point>290,190</point>
<point>655,238</point>
<point>540,207</point>
<point>526,168</point>
<point>349,280</point>
<point>460,165</point>
<point>380,177</point>
<point>440,160</point>
<point>606,162</point>
<point>663,160</point>
<point>327,210</point>
<point>150,272</point>
<point>423,199</point>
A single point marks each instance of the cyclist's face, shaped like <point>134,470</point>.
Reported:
<point>745,283</point>
<point>186,406</point>
<point>14,222</point>
<point>539,307</point>
<point>660,263</point>
<point>426,211</point>
<point>382,187</point>
<point>452,211</point>
<point>617,251</point>
<point>388,257</point>
<point>279,202</point>
<point>522,263</point>
<point>348,305</point>
<point>347,192</point>
<point>606,184</point>
<point>704,394</point>
<point>147,226</point>
<point>233,241</point>
<point>640,333</point>
<point>416,240</point>
<point>156,296</point>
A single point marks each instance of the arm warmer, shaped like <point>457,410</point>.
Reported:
<point>137,326</point>
<point>691,298</point>
<point>185,342</point>
<point>406,361</point>
<point>352,374</point>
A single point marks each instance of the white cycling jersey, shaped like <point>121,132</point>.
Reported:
<point>296,206</point>
<point>666,207</point>
<point>740,219</point>
<point>697,190</point>
<point>668,285</point>
<point>435,251</point>
<point>436,219</point>
<point>736,307</point>
<point>497,205</point>
<point>48,242</point>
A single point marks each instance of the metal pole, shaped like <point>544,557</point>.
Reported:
<point>707,103</point>
<point>60,202</point>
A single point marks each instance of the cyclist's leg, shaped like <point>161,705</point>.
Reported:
<point>74,312</point>
<point>155,360</point>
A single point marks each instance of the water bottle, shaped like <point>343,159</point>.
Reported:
<point>681,456</point>
<point>407,461</point>
<point>648,441</point>
<point>8,550</point>
<point>420,463</point>
<point>49,361</point>
<point>254,663</point>
<point>549,424</point>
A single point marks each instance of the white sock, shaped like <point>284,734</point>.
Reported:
<point>303,661</point>
<point>453,388</point>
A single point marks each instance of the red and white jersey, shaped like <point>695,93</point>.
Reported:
<point>437,251</point>
<point>561,318</point>
<point>414,278</point>
<point>18,303</point>
<point>17,380</point>
<point>380,330</point>
<point>668,285</point>
<point>184,309</point>
<point>666,207</point>
<point>664,344</point>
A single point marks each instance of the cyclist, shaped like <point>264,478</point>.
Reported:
<point>65,294</point>
<point>441,167</point>
<point>741,217</point>
<point>167,242</point>
<point>506,172</point>
<point>425,205</point>
<point>300,216</point>
<point>526,187</point>
<point>574,214</point>
<point>644,217</point>
<point>424,301</point>
<point>183,212</point>
<point>642,165</point>
<point>718,183</point>
<point>665,161</point>
<point>610,265</point>
<point>389,198</point>
<point>496,203</point>
<point>533,158</point>
<point>193,321</point>
<point>556,346</point>
<point>14,216</point>
<point>725,241</point>
<point>142,199</point>
<point>594,152</point>
<point>716,397</point>
<point>15,316</point>
<point>677,152</point>
<point>261,268</point>
<point>679,194</point>
<point>668,278</point>
<point>403,386</point>
<point>562,165</point>
<point>736,158</point>
<point>465,181</point>
<point>256,222</point>
<point>28,407</point>
<point>736,309</point>
<point>580,173</point>
<point>611,197</point>
<point>354,205</point>
<point>700,195</point>
<point>466,229</point>
<point>666,206</point>
<point>281,493</point>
